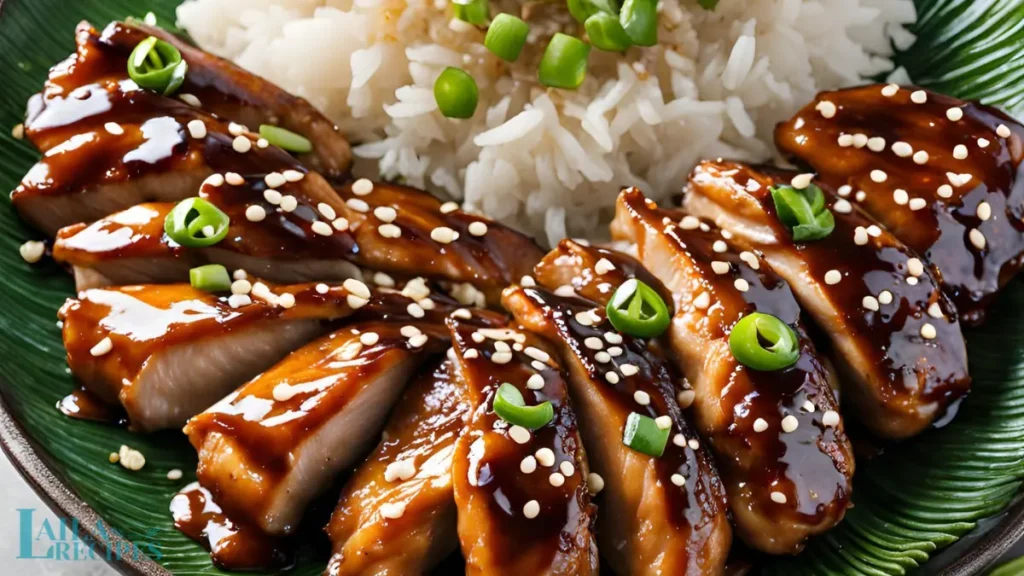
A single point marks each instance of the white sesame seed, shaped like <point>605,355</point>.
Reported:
<point>977,238</point>
<point>960,152</point>
<point>392,510</point>
<point>471,353</point>
<point>900,196</point>
<point>356,287</point>
<point>236,129</point>
<point>519,434</point>
<point>928,331</point>
<point>693,443</point>
<point>584,319</point>
<point>113,128</point>
<point>32,251</point>
<point>860,140</point>
<point>845,190</point>
<point>808,406</point>
<point>778,497</point>
<point>876,144</point>
<point>702,301</point>
<point>604,266</point>
<point>689,223</point>
<point>685,398</point>
<point>613,337</point>
<point>934,310</point>
<point>983,143</point>
<point>870,303</point>
<point>945,191</point>
<point>833,277</point>
<point>241,144</point>
<point>642,398</point>
<point>593,343</point>
<point>629,369</point>
<point>912,281</point>
<point>537,354</point>
<point>242,286</point>
<point>615,351</point>
<point>272,196</point>
<point>919,97</point>
<point>595,483</point>
<point>528,282</point>
<point>362,187</point>
<point>921,157</point>
<point>720,246</point>
<point>760,425</point>
<point>477,228</point>
<point>955,114</point>
<point>528,465</point>
<point>215,180</point>
<point>531,509</point>
<point>879,176</point>
<point>860,236</point>
<point>418,340</point>
<point>443,235</point>
<point>556,479</point>
<point>827,109</point>
<point>915,267</point>
<point>369,338</point>
<point>262,143</point>
<point>196,129</point>
<point>845,140</point>
<point>102,347</point>
<point>984,211</point>
<point>18,132</point>
<point>741,285</point>
<point>842,206</point>
<point>385,213</point>
<point>663,422</point>
<point>860,196</point>
<point>131,459</point>
<point>801,181</point>
<point>612,377</point>
<point>293,175</point>
<point>918,203</point>
<point>535,382</point>
<point>322,228</point>
<point>678,479</point>
<point>545,456</point>
<point>890,90</point>
<point>234,179</point>
<point>255,213</point>
<point>358,205</point>
<point>274,179</point>
<point>603,357</point>
<point>239,300</point>
<point>190,100</point>
<point>1003,131</point>
<point>885,297</point>
<point>289,203</point>
<point>449,207</point>
<point>830,418</point>
<point>902,149</point>
<point>174,474</point>
<point>874,231</point>
<point>790,424</point>
<point>679,440</point>
<point>720,267</point>
<point>389,231</point>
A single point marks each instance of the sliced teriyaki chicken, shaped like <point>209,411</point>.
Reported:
<point>777,435</point>
<point>522,495</point>
<point>592,272</point>
<point>109,145</point>
<point>895,334</point>
<point>943,175</point>
<point>658,515</point>
<point>167,352</point>
<point>267,449</point>
<point>228,91</point>
<point>396,515</point>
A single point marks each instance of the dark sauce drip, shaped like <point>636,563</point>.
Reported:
<point>232,545</point>
<point>84,405</point>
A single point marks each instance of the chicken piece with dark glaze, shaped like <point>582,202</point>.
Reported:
<point>396,515</point>
<point>593,272</point>
<point>777,435</point>
<point>658,515</point>
<point>522,496</point>
<point>943,175</point>
<point>895,334</point>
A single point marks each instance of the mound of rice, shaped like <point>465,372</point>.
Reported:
<point>552,161</point>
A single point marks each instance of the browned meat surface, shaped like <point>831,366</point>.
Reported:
<point>579,267</point>
<point>895,334</point>
<point>658,515</point>
<point>522,497</point>
<point>777,435</point>
<point>269,447</point>
<point>397,513</point>
<point>944,176</point>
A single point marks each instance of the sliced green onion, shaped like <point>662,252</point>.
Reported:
<point>581,10</point>
<point>510,407</point>
<point>605,32</point>
<point>643,435</point>
<point>185,224</point>
<point>636,309</point>
<point>748,338</point>
<point>285,139</point>
<point>473,11</point>
<point>564,64</point>
<point>803,211</point>
<point>639,18</point>
<point>456,93</point>
<point>157,65</point>
<point>506,37</point>
<point>211,278</point>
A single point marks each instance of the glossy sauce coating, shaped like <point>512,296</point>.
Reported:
<point>84,405</point>
<point>232,545</point>
<point>908,379</point>
<point>577,265</point>
<point>492,493</point>
<point>944,176</point>
<point>810,466</point>
<point>692,533</point>
<point>421,433</point>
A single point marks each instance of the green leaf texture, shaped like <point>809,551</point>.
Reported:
<point>911,502</point>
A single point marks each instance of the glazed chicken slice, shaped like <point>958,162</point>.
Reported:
<point>895,334</point>
<point>397,513</point>
<point>592,272</point>
<point>166,353</point>
<point>267,449</point>
<point>943,175</point>
<point>109,145</point>
<point>659,515</point>
<point>228,91</point>
<point>776,435</point>
<point>522,495</point>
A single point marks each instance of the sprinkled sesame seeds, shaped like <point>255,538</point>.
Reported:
<point>355,302</point>
<point>236,129</point>
<point>808,406</point>
<point>845,140</point>
<point>902,149</point>
<point>874,231</point>
<point>531,509</point>
<point>537,354</point>
<point>928,331</point>
<point>977,238</point>
<point>890,90</point>
<point>527,282</point>
<point>720,246</point>
<point>760,425</point>
<point>860,140</point>
<point>595,483</point>
<point>720,267</point>
<point>174,474</point>
<point>842,206</point>
<point>615,351</point>
<point>272,196</point>
<point>885,297</point>
<point>477,228</point>
<point>702,301</point>
<point>519,434</point>
<point>955,114</point>
<point>678,479</point>
<point>556,479</point>
<point>663,422</point>
<point>642,398</point>
<point>919,97</point>
<point>389,231</point>
<point>196,128</point>
<point>289,203</point>
<point>860,196</point>
<point>471,353</point>
<point>255,213</point>
<point>778,497</point>
<point>685,398</point>
<point>984,211</point>
<point>593,343</point>
<point>444,235</point>
<point>102,347</point>
<point>239,300</point>
<point>528,465</point>
<point>750,259</point>
<point>830,418</point>
<point>1003,131</point>
<point>790,424</point>
<point>369,338</point>
<point>535,382</point>
<point>679,440</point>
<point>18,132</point>
<point>449,207</point>
<point>693,443</point>
<point>860,236</point>
<point>689,223</point>
<point>113,128</point>
<point>833,277</point>
<point>604,266</point>
<point>629,369</point>
<point>241,144</point>
<point>945,191</point>
<point>241,286</point>
<point>416,311</point>
<point>131,459</point>
<point>960,152</point>
<point>801,181</point>
<point>322,228</point>
<point>983,143</point>
<point>362,187</point>
<point>322,288</point>
<point>876,144</point>
<point>603,357</point>
<point>262,143</point>
<point>918,204</point>
<point>915,267</point>
<point>879,176</point>
<point>900,196</point>
<point>921,157</point>
<point>612,377</point>
<point>870,303</point>
<point>827,109</point>
<point>545,456</point>
<point>934,310</point>
<point>741,285</point>
<point>32,251</point>
<point>385,214</point>
<point>613,337</point>
<point>234,179</point>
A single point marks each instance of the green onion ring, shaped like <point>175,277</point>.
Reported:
<point>564,64</point>
<point>157,65</point>
<point>636,309</point>
<point>643,435</point>
<point>211,278</point>
<point>510,407</point>
<point>506,37</point>
<point>745,343</point>
<point>285,139</point>
<point>639,18</point>
<point>185,223</point>
<point>803,212</point>
<point>605,31</point>
<point>456,93</point>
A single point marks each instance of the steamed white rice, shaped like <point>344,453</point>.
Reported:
<point>551,161</point>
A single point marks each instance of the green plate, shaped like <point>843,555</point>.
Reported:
<point>912,502</point>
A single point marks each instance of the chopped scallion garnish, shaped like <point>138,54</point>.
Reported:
<point>636,309</point>
<point>157,65</point>
<point>185,224</point>
<point>475,12</point>
<point>285,139</point>
<point>510,407</point>
<point>211,278</point>
<point>803,211</point>
<point>605,32</point>
<point>456,93</point>
<point>644,435</point>
<point>639,18</point>
<point>506,37</point>
<point>582,10</point>
<point>749,336</point>
<point>564,64</point>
